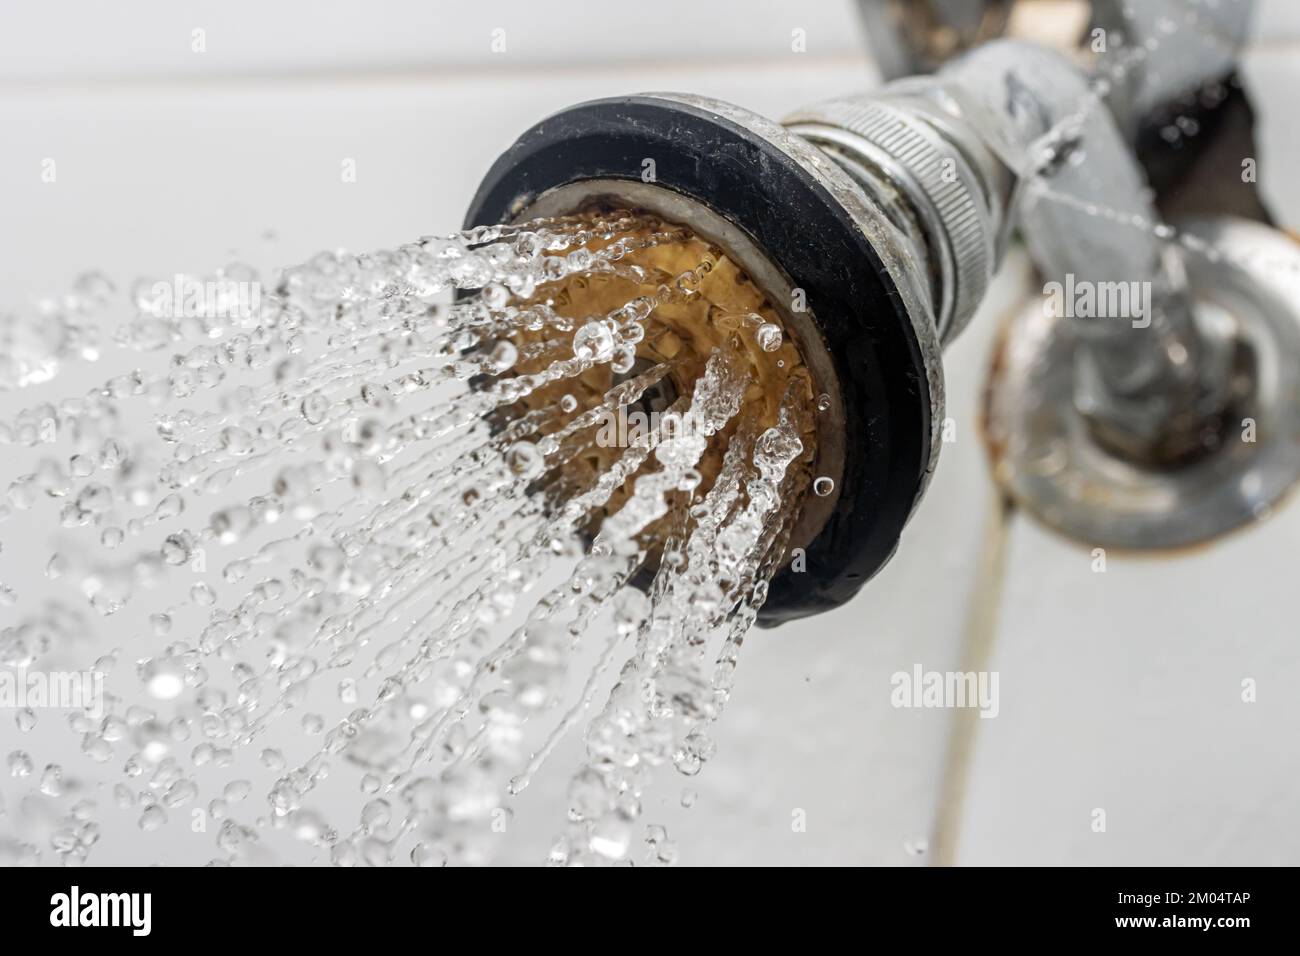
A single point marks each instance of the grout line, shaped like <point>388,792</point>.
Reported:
<point>466,73</point>
<point>977,652</point>
<point>1270,46</point>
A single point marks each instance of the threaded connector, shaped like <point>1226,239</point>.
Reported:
<point>874,139</point>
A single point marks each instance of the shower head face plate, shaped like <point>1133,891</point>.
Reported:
<point>723,312</point>
<point>805,232</point>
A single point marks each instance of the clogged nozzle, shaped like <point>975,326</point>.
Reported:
<point>832,271</point>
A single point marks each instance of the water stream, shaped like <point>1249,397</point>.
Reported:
<point>383,551</point>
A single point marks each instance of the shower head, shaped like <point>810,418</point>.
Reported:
<point>849,275</point>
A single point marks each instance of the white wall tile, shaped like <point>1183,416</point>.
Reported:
<point>1277,23</point>
<point>85,39</point>
<point>1122,691</point>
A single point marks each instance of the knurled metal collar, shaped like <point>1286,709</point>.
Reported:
<point>935,177</point>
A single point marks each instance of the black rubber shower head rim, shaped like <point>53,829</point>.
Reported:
<point>785,208</point>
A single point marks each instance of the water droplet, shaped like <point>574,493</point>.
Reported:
<point>769,337</point>
<point>314,408</point>
<point>20,764</point>
<point>524,459</point>
<point>152,818</point>
<point>504,356</point>
<point>593,341</point>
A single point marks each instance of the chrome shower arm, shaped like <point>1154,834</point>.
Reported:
<point>1016,133</point>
